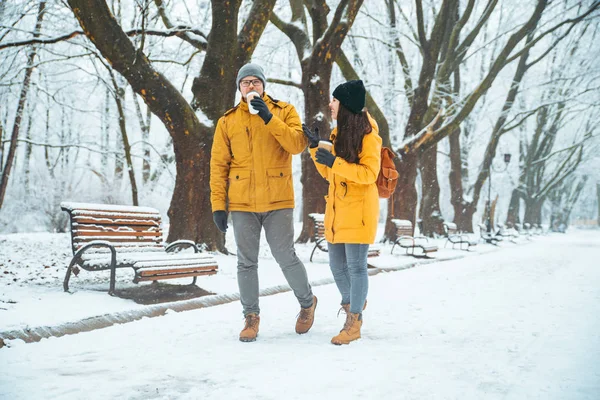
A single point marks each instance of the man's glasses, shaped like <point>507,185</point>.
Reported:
<point>255,82</point>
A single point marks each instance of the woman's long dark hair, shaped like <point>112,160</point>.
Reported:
<point>351,128</point>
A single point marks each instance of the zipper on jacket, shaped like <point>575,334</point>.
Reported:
<point>249,140</point>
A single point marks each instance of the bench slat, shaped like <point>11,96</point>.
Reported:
<point>137,257</point>
<point>84,219</point>
<point>83,234</point>
<point>124,239</point>
<point>116,227</point>
<point>115,215</point>
<point>175,270</point>
<point>173,276</point>
<point>176,263</point>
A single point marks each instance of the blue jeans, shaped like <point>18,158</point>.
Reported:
<point>348,263</point>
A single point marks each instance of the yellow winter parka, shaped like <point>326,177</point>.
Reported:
<point>251,163</point>
<point>352,210</point>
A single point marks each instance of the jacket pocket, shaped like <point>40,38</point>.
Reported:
<point>239,186</point>
<point>349,211</point>
<point>279,180</point>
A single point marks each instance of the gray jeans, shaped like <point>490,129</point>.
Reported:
<point>348,263</point>
<point>279,230</point>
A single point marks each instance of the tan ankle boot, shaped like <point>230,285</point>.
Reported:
<point>346,307</point>
<point>306,318</point>
<point>350,331</point>
<point>250,331</point>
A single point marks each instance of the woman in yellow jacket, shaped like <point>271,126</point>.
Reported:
<point>352,209</point>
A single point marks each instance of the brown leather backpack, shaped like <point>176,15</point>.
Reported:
<point>388,176</point>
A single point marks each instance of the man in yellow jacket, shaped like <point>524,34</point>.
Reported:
<point>251,177</point>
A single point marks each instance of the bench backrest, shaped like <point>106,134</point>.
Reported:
<point>319,225</point>
<point>125,227</point>
<point>403,227</point>
<point>450,228</point>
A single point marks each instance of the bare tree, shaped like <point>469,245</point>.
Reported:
<point>417,141</point>
<point>316,53</point>
<point>190,211</point>
<point>21,105</point>
<point>562,200</point>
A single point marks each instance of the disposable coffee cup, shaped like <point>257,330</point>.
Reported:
<point>325,144</point>
<point>250,96</point>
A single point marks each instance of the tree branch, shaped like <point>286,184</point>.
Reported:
<point>298,37</point>
<point>285,82</point>
<point>178,31</point>
<point>184,35</point>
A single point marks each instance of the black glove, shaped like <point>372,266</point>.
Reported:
<point>325,157</point>
<point>263,111</point>
<point>313,137</point>
<point>220,219</point>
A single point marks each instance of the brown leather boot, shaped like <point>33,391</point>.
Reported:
<point>250,331</point>
<point>346,307</point>
<point>350,331</point>
<point>306,318</point>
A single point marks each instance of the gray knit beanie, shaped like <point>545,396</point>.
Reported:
<point>250,70</point>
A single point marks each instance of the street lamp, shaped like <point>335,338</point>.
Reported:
<point>489,204</point>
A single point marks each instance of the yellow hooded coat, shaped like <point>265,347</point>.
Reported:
<point>352,210</point>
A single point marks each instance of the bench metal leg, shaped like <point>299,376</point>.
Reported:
<point>317,243</point>
<point>395,243</point>
<point>313,252</point>
<point>194,280</point>
<point>68,274</point>
<point>113,271</point>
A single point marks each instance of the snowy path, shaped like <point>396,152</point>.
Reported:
<point>517,324</point>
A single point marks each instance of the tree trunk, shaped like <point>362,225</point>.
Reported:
<point>119,99</point>
<point>1,146</point>
<point>598,200</point>
<point>512,216</point>
<point>430,210</point>
<point>533,211</point>
<point>404,201</point>
<point>316,114</point>
<point>28,150</point>
<point>145,128</point>
<point>21,106</point>
<point>463,210</point>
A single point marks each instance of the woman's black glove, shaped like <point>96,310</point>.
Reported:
<point>220,219</point>
<point>263,111</point>
<point>313,137</point>
<point>325,157</point>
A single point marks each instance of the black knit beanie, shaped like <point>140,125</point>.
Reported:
<point>352,95</point>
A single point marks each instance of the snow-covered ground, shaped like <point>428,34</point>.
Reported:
<point>518,323</point>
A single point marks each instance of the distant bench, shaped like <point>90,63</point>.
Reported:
<point>319,237</point>
<point>487,236</point>
<point>406,239</point>
<point>107,237</point>
<point>455,237</point>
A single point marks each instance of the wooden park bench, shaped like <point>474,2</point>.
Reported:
<point>526,233</point>
<point>455,237</point>
<point>487,236</point>
<point>319,237</point>
<point>509,233</point>
<point>107,237</point>
<point>406,240</point>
